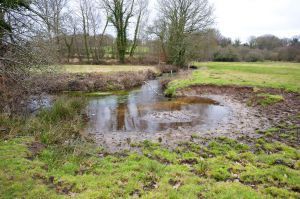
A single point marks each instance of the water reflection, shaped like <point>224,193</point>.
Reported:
<point>148,111</point>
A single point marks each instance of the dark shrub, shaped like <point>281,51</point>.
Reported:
<point>226,55</point>
<point>254,56</point>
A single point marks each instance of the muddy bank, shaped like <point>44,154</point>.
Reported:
<point>287,110</point>
<point>56,83</point>
<point>282,117</point>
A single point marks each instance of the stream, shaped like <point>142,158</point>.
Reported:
<point>147,110</point>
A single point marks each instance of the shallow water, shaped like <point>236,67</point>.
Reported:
<point>147,110</point>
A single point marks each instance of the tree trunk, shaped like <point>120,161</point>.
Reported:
<point>134,45</point>
<point>102,38</point>
<point>1,32</point>
<point>85,36</point>
<point>69,46</point>
<point>121,45</point>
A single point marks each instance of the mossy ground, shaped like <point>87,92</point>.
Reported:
<point>224,168</point>
<point>265,74</point>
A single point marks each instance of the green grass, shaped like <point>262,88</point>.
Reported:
<point>264,74</point>
<point>268,99</point>
<point>224,169</point>
<point>103,68</point>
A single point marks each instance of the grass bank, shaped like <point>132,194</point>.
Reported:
<point>281,75</point>
<point>80,69</point>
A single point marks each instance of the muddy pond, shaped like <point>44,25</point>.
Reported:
<point>118,120</point>
<point>147,110</point>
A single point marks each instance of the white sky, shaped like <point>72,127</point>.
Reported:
<point>244,18</point>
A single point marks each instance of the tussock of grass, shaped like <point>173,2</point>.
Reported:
<point>268,99</point>
<point>63,109</point>
<point>60,124</point>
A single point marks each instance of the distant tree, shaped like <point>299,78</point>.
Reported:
<point>51,15</point>
<point>224,41</point>
<point>254,55</point>
<point>252,42</point>
<point>295,41</point>
<point>69,31</point>
<point>237,42</point>
<point>182,18</point>
<point>159,29</point>
<point>268,42</point>
<point>85,7</point>
<point>119,13</point>
<point>202,45</point>
<point>142,7</point>
<point>289,53</point>
<point>227,54</point>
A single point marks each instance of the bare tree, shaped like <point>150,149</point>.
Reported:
<point>95,26</point>
<point>119,13</point>
<point>84,11</point>
<point>182,18</point>
<point>51,13</point>
<point>69,31</point>
<point>142,9</point>
<point>22,52</point>
<point>159,29</point>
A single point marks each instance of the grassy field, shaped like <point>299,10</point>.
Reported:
<point>103,68</point>
<point>265,74</point>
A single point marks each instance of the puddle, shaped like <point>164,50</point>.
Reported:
<point>147,110</point>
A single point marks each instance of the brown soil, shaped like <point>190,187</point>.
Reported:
<point>284,115</point>
<point>35,148</point>
<point>285,111</point>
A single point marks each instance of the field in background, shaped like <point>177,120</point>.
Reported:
<point>103,68</point>
<point>263,74</point>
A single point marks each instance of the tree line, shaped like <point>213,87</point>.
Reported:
<point>81,29</point>
<point>265,47</point>
<point>35,34</point>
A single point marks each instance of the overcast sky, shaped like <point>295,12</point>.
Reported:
<point>244,18</point>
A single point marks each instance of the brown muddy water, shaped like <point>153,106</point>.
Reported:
<point>147,111</point>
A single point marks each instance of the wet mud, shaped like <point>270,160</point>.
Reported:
<point>198,113</point>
